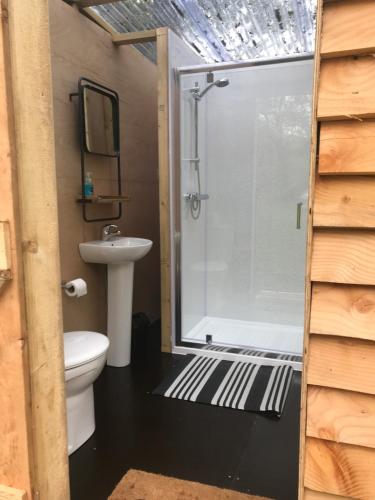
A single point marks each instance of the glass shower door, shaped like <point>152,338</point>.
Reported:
<point>243,259</point>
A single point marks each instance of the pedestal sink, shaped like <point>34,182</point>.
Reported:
<point>119,253</point>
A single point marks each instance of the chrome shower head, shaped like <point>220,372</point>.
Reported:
<point>223,82</point>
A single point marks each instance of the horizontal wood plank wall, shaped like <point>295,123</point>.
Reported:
<point>346,89</point>
<point>347,147</point>
<point>344,202</point>
<point>342,469</point>
<point>342,363</point>
<point>340,34</point>
<point>318,495</point>
<point>344,256</point>
<point>340,374</point>
<point>346,311</point>
<point>341,416</point>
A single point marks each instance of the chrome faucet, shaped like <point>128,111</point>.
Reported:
<point>110,231</point>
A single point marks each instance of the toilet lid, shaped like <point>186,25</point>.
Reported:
<point>82,347</point>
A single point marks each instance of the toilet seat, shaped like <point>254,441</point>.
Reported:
<point>81,347</point>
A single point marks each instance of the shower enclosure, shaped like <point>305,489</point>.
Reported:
<point>240,195</point>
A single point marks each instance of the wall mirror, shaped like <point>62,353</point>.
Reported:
<point>99,109</point>
<point>99,131</point>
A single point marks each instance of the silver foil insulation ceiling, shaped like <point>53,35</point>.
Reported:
<point>221,30</point>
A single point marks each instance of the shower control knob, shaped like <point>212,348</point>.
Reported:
<point>195,196</point>
<point>188,196</point>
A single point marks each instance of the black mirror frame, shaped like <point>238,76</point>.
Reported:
<point>85,83</point>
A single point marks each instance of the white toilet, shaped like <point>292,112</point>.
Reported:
<point>85,355</point>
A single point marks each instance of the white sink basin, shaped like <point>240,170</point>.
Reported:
<point>119,253</point>
<point>117,250</point>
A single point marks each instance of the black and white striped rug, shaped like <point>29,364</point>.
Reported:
<point>233,384</point>
<point>253,352</point>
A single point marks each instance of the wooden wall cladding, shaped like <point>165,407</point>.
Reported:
<point>344,202</point>
<point>346,88</point>
<point>341,416</point>
<point>340,469</point>
<point>342,363</point>
<point>318,495</point>
<point>344,256</point>
<point>343,310</point>
<point>339,376</point>
<point>7,493</point>
<point>347,147</point>
<point>340,33</point>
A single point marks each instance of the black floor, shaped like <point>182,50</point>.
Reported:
<point>223,447</point>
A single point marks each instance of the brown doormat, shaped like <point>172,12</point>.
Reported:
<point>139,485</point>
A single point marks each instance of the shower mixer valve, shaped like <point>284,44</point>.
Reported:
<point>195,196</point>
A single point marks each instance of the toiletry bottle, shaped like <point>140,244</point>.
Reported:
<point>89,186</point>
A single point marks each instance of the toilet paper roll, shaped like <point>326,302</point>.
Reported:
<point>76,288</point>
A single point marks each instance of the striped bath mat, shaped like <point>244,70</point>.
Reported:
<point>233,384</point>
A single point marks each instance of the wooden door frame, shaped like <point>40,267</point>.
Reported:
<point>308,285</point>
<point>34,229</point>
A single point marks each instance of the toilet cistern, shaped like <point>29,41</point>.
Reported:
<point>119,253</point>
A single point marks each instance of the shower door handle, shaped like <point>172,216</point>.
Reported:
<point>299,209</point>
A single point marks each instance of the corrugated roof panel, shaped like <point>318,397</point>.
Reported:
<point>221,30</point>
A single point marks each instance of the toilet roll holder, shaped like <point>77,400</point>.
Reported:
<point>65,287</point>
<point>74,288</point>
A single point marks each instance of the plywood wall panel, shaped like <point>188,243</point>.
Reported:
<point>346,88</point>
<point>347,311</point>
<point>344,202</point>
<point>341,416</point>
<point>340,33</point>
<point>344,256</point>
<point>340,469</point>
<point>342,363</point>
<point>347,147</point>
<point>80,47</point>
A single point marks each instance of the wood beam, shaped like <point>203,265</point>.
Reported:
<point>91,3</point>
<point>35,156</point>
<point>134,37</point>
<point>15,421</point>
<point>162,48</point>
<point>93,16</point>
<point>309,246</point>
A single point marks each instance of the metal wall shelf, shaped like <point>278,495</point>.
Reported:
<point>102,199</point>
